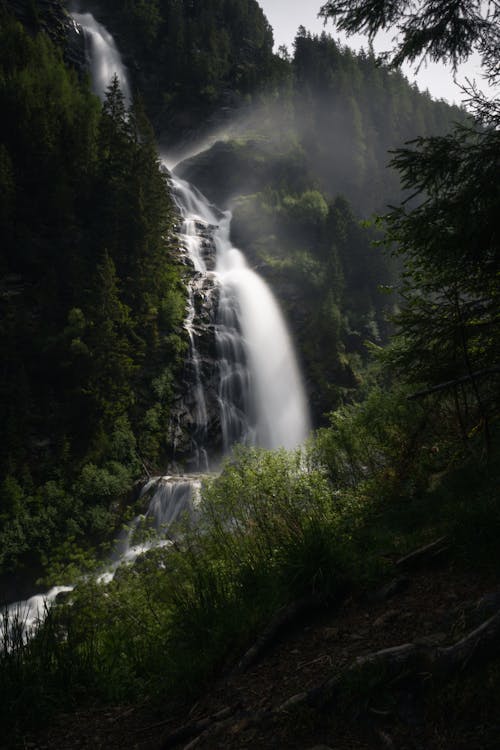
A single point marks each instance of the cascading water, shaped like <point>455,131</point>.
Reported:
<point>170,498</point>
<point>260,395</point>
<point>276,398</point>
<point>191,240</point>
<point>103,57</point>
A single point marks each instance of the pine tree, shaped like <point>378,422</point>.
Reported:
<point>449,327</point>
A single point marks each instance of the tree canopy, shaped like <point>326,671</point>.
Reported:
<point>91,300</point>
<point>439,30</point>
<point>449,328</point>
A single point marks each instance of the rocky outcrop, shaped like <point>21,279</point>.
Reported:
<point>52,18</point>
<point>195,414</point>
<point>188,435</point>
<point>229,169</point>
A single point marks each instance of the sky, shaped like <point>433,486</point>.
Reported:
<point>285,16</point>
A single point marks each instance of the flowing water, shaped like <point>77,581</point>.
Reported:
<point>103,57</point>
<point>260,395</point>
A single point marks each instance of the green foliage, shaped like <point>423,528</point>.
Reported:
<point>85,243</point>
<point>194,57</point>
<point>272,507</point>
<point>349,112</point>
<point>96,485</point>
<point>268,531</point>
<point>431,29</point>
<point>298,174</point>
<point>90,295</point>
<point>376,445</point>
<point>309,209</point>
<point>448,326</point>
<point>271,528</point>
<point>470,511</point>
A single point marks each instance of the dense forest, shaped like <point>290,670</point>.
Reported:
<point>371,209</point>
<point>191,61</point>
<point>92,300</point>
<point>93,297</point>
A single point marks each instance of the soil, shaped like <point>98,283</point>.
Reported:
<point>436,604</point>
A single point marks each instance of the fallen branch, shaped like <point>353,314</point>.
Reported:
<point>243,720</point>
<point>409,658</point>
<point>283,618</point>
<point>394,587</point>
<point>392,664</point>
<point>195,728</point>
<point>423,554</point>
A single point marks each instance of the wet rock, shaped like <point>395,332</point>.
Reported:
<point>52,18</point>
<point>195,414</point>
<point>228,169</point>
<point>63,597</point>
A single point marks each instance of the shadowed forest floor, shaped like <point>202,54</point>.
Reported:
<point>436,605</point>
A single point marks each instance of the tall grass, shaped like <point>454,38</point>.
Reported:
<point>272,527</point>
<point>268,531</point>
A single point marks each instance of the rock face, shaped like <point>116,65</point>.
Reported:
<point>195,415</point>
<point>52,17</point>
<point>228,169</point>
<point>238,174</point>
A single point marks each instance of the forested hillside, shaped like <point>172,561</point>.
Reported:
<point>92,293</point>
<point>300,167</point>
<point>190,60</point>
<point>91,296</point>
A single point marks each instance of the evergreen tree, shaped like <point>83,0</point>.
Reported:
<point>108,339</point>
<point>449,327</point>
<point>91,303</point>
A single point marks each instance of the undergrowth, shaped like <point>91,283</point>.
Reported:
<point>272,527</point>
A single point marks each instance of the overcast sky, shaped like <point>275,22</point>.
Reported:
<point>285,16</point>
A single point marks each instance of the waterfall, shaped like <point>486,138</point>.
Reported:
<point>22,618</point>
<point>103,57</point>
<point>276,395</point>
<point>169,499</point>
<point>260,395</point>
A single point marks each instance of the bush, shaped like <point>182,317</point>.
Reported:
<point>268,530</point>
<point>377,445</point>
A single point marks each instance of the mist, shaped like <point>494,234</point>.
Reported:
<point>329,125</point>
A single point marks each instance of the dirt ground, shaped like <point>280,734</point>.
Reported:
<point>435,605</point>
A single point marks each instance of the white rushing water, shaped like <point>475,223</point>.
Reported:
<point>260,393</point>
<point>169,498</point>
<point>103,56</point>
<point>23,617</point>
